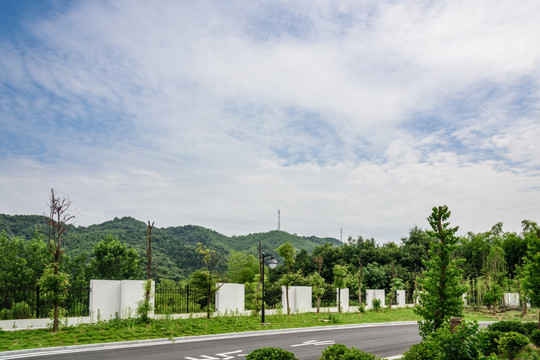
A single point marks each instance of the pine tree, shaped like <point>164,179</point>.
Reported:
<point>441,296</point>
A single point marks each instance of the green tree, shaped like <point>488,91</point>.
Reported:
<point>340,275</point>
<point>441,282</point>
<point>531,267</point>
<point>208,277</point>
<point>317,282</point>
<point>113,260</point>
<point>287,251</point>
<point>241,267</point>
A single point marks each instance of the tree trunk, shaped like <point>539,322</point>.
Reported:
<point>524,312</point>
<point>339,300</point>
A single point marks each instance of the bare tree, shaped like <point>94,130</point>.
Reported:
<point>54,282</point>
<point>149,253</point>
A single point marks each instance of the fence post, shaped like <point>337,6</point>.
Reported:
<point>187,298</point>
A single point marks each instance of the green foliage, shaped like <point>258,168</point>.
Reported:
<point>441,282</point>
<point>524,328</point>
<point>143,306</point>
<point>341,352</point>
<point>271,353</point>
<point>54,284</point>
<point>466,343</point>
<point>374,276</point>
<point>535,337</point>
<point>494,295</point>
<point>531,266</point>
<point>113,260</point>
<point>21,310</point>
<point>510,344</point>
<point>376,304</point>
<point>421,351</point>
<point>241,267</point>
<point>492,342</point>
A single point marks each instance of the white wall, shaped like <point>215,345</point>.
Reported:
<point>400,298</point>
<point>372,295</point>
<point>230,298</point>
<point>299,299</point>
<point>117,298</point>
<point>511,299</point>
<point>344,299</point>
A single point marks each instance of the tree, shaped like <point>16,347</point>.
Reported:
<point>241,267</point>
<point>340,274</point>
<point>317,282</point>
<point>287,251</point>
<point>531,267</point>
<point>494,270</point>
<point>113,260</point>
<point>442,292</point>
<point>208,276</point>
<point>54,283</point>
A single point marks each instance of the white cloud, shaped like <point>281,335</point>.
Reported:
<point>358,116</point>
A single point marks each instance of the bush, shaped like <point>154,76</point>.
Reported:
<point>376,304</point>
<point>511,343</point>
<point>341,352</point>
<point>362,307</point>
<point>466,343</point>
<point>492,342</point>
<point>5,314</point>
<point>524,328</point>
<point>271,353</point>
<point>334,352</point>
<point>422,351</point>
<point>535,337</point>
<point>21,310</point>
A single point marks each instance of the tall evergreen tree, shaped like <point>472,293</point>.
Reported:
<point>441,296</point>
<point>531,267</point>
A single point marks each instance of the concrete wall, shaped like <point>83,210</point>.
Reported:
<point>400,298</point>
<point>230,298</point>
<point>299,299</point>
<point>344,299</point>
<point>117,298</point>
<point>372,295</point>
<point>511,299</point>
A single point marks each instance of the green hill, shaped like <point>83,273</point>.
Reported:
<point>173,248</point>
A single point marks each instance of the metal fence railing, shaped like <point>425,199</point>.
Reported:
<point>28,303</point>
<point>176,299</point>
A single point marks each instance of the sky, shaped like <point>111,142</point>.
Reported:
<point>353,115</point>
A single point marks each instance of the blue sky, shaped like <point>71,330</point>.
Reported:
<point>355,114</point>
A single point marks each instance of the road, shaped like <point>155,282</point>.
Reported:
<point>384,340</point>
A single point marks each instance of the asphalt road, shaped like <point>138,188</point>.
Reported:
<point>384,340</point>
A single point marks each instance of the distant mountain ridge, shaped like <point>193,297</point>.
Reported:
<point>173,247</point>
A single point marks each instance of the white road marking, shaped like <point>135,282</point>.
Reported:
<point>315,343</point>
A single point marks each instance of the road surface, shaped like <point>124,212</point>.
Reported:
<point>384,340</point>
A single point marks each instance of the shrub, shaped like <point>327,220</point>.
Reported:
<point>524,328</point>
<point>422,351</point>
<point>271,353</point>
<point>511,343</point>
<point>492,342</point>
<point>376,304</point>
<point>362,307</point>
<point>5,314</point>
<point>341,352</point>
<point>535,337</point>
<point>467,342</point>
<point>20,310</point>
<point>334,352</point>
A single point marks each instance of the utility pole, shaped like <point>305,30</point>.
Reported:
<point>279,220</point>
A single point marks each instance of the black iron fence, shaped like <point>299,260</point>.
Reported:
<point>28,303</point>
<point>176,299</point>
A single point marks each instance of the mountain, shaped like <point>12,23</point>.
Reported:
<point>173,248</point>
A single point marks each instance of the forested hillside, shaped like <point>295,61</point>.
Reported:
<point>173,247</point>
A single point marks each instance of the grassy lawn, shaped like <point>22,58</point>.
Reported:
<point>132,329</point>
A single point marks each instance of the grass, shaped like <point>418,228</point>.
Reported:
<point>132,329</point>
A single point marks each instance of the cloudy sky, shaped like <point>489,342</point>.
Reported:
<point>360,115</point>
